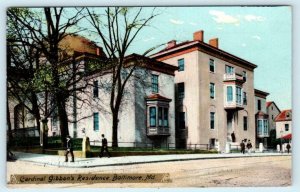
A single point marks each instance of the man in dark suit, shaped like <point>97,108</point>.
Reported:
<point>69,149</point>
<point>104,147</point>
<point>242,147</point>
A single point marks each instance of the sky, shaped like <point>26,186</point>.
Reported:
<point>261,35</point>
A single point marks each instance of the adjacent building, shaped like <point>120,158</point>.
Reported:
<point>284,124</point>
<point>214,93</point>
<point>148,107</point>
<point>273,111</point>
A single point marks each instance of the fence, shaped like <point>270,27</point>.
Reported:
<point>125,144</point>
<point>153,146</point>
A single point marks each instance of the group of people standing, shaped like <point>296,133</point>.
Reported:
<point>70,148</point>
<point>244,146</point>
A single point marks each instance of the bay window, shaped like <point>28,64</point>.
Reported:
<point>238,93</point>
<point>160,115</point>
<point>229,94</point>
<point>262,127</point>
<point>235,94</point>
<point>152,116</point>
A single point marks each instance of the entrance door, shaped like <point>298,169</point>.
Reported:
<point>229,125</point>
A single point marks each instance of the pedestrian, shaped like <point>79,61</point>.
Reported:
<point>249,147</point>
<point>104,147</point>
<point>288,147</point>
<point>69,149</point>
<point>242,147</point>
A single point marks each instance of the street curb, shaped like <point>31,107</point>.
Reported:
<point>145,162</point>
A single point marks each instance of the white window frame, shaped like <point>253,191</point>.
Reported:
<point>214,90</point>
<point>214,65</point>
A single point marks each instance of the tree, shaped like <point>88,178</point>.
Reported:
<point>21,61</point>
<point>46,28</point>
<point>117,28</point>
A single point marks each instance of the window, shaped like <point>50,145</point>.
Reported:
<point>166,119</point>
<point>245,122</point>
<point>229,69</point>
<point>259,127</point>
<point>244,75</point>
<point>211,65</point>
<point>160,116</point>
<point>181,120</point>
<point>152,116</point>
<point>180,64</point>
<point>212,120</point>
<point>272,117</point>
<point>212,90</point>
<point>163,114</point>
<point>96,121</point>
<point>96,89</point>
<point>258,104</point>
<point>238,95</point>
<point>54,120</point>
<point>180,90</point>
<point>266,127</point>
<point>244,98</point>
<point>286,126</point>
<point>229,94</point>
<point>154,83</point>
<point>262,127</point>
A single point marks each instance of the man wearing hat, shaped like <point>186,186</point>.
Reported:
<point>104,147</point>
<point>69,149</point>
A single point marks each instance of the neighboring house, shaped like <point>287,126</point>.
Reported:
<point>273,111</point>
<point>19,114</point>
<point>23,123</point>
<point>284,124</point>
<point>214,93</point>
<point>261,118</point>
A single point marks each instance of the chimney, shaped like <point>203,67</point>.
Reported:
<point>214,42</point>
<point>171,44</point>
<point>199,35</point>
<point>98,51</point>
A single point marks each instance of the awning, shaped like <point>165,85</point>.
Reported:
<point>288,136</point>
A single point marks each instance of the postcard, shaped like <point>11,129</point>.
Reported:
<point>134,97</point>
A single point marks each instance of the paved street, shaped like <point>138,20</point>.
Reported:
<point>59,161</point>
<point>223,172</point>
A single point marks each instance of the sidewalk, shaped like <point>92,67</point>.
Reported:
<point>55,160</point>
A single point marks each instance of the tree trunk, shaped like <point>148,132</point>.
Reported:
<point>36,111</point>
<point>45,133</point>
<point>115,129</point>
<point>63,120</point>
